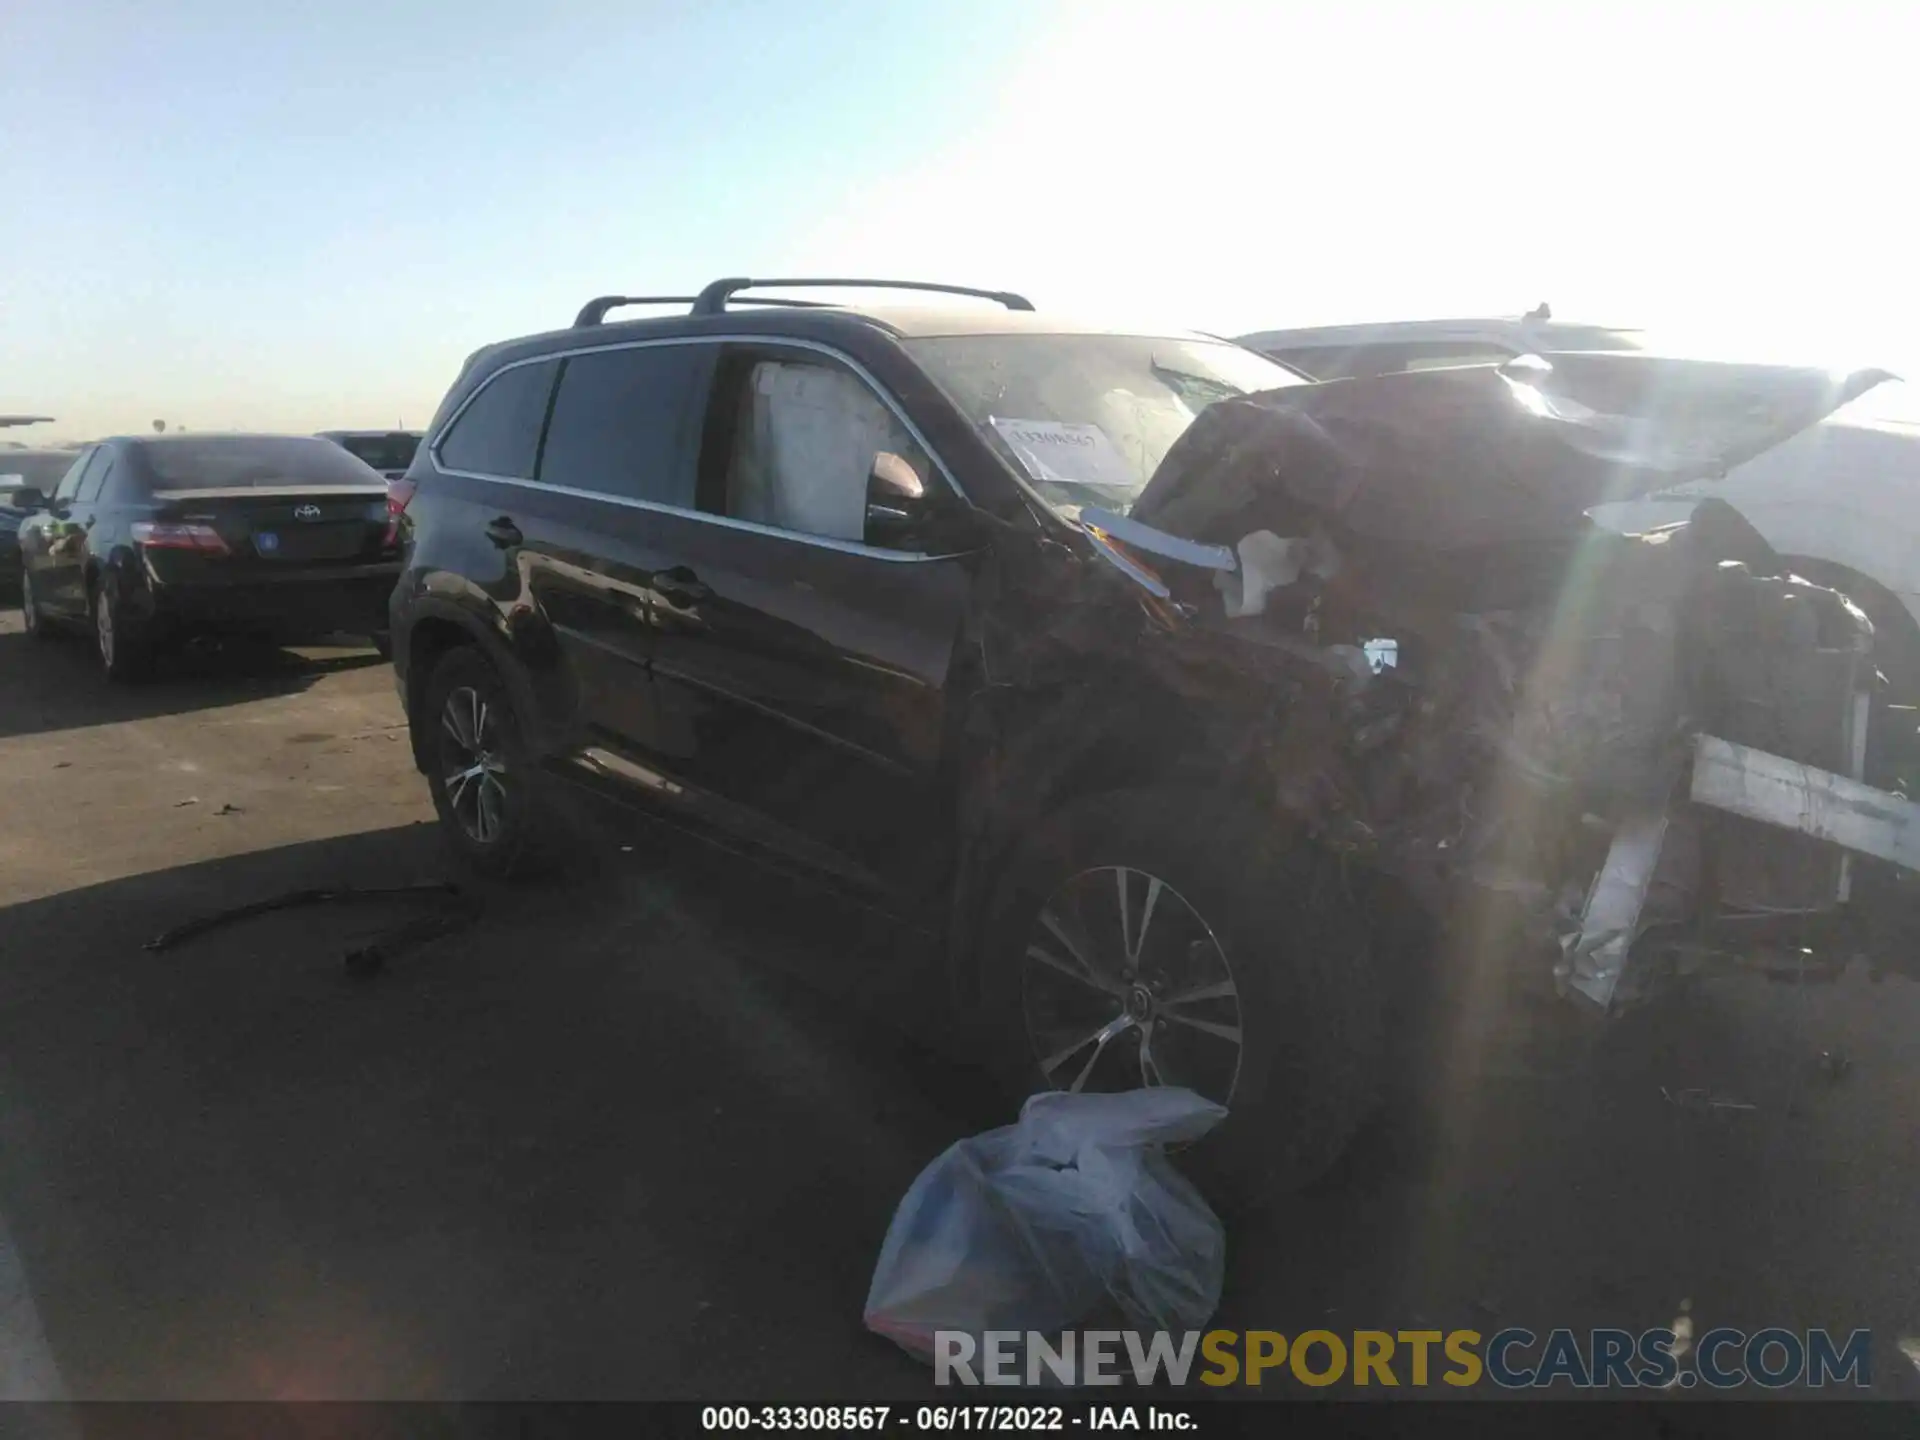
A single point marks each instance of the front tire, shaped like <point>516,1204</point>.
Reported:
<point>30,616</point>
<point>492,805</point>
<point>1174,937</point>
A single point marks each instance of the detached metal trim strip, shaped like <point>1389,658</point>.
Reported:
<point>1835,808</point>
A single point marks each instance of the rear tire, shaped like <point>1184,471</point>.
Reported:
<point>492,802</point>
<point>1239,894</point>
<point>122,645</point>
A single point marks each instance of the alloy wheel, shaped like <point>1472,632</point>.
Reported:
<point>474,769</point>
<point>1124,984</point>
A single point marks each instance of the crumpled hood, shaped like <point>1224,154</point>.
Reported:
<point>1481,455</point>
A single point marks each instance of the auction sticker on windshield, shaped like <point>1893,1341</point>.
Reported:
<point>1065,453</point>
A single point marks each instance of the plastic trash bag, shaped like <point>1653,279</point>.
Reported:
<point>1040,1225</point>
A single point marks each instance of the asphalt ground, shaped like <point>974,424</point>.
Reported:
<point>638,1131</point>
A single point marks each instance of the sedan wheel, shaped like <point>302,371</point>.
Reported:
<point>1125,984</point>
<point>103,629</point>
<point>474,765</point>
<point>30,607</point>
<point>125,648</point>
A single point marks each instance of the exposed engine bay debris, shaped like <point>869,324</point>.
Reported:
<point>1379,604</point>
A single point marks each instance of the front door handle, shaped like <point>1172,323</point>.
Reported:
<point>503,532</point>
<point>681,586</point>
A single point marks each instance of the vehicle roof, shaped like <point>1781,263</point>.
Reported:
<point>364,434</point>
<point>53,451</point>
<point>193,436</point>
<point>827,323</point>
<point>1516,332</point>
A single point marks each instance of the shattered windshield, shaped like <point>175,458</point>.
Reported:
<point>1087,418</point>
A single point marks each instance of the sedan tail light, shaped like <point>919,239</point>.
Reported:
<point>161,535</point>
<point>399,496</point>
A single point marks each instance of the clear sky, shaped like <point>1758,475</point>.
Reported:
<point>225,213</point>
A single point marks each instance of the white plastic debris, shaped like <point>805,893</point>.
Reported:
<point>1036,1226</point>
<point>1269,563</point>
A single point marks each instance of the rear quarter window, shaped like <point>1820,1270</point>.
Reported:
<point>498,432</point>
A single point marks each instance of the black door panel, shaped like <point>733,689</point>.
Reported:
<point>619,439</point>
<point>578,566</point>
<point>59,580</point>
<point>807,681</point>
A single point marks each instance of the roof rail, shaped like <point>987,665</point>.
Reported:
<point>713,299</point>
<point>595,311</point>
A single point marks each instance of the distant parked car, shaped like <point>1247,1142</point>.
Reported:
<point>38,469</point>
<point>157,539</point>
<point>1840,501</point>
<point>23,469</point>
<point>10,519</point>
<point>388,451</point>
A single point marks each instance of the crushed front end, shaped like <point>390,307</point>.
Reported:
<point>1386,599</point>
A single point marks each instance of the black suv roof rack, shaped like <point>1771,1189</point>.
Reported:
<point>713,299</point>
<point>595,310</point>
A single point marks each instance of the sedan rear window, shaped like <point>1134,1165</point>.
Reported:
<point>229,462</point>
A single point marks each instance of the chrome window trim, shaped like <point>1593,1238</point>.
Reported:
<point>774,341</point>
<point>824,542</point>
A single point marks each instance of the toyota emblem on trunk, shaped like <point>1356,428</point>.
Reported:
<point>306,512</point>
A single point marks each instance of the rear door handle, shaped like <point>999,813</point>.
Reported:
<point>503,532</point>
<point>681,586</point>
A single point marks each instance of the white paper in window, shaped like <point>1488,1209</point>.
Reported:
<point>1066,453</point>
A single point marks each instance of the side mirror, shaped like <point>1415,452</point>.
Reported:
<point>30,497</point>
<point>901,515</point>
<point>896,500</point>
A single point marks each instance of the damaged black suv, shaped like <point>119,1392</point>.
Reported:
<point>1124,663</point>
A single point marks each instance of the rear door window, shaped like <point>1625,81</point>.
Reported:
<point>498,433</point>
<point>626,422</point>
